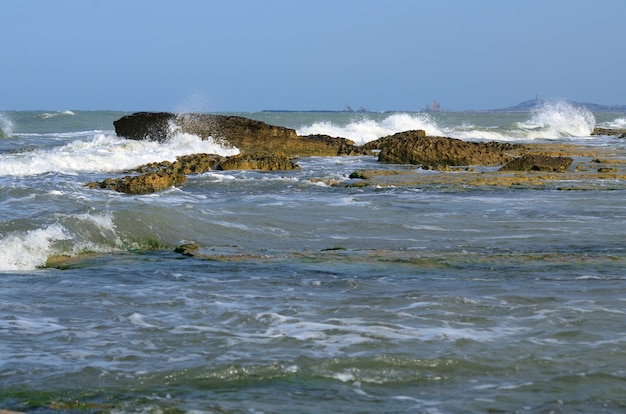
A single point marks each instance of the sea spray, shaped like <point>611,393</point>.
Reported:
<point>106,153</point>
<point>558,119</point>
<point>27,250</point>
<point>6,126</point>
<point>366,130</point>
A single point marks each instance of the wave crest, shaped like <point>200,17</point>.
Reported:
<point>367,130</point>
<point>106,153</point>
<point>555,119</point>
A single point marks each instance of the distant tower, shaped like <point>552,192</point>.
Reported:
<point>435,107</point>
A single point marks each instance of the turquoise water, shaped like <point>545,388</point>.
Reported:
<point>306,297</point>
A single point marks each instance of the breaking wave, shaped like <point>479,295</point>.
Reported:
<point>556,119</point>
<point>367,130</point>
<point>106,153</point>
<point>552,121</point>
<point>46,115</point>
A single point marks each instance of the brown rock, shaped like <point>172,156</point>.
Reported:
<point>141,184</point>
<point>257,162</point>
<point>414,147</point>
<point>538,163</point>
<point>185,164</point>
<point>620,133</point>
<point>250,136</point>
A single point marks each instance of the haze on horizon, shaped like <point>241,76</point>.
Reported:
<point>245,55</point>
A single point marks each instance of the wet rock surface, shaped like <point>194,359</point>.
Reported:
<point>534,162</point>
<point>415,147</point>
<point>618,132</point>
<point>248,135</point>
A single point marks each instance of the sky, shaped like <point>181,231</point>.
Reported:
<point>252,55</point>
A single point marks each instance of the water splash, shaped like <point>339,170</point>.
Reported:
<point>6,126</point>
<point>366,130</point>
<point>557,119</point>
<point>29,250</point>
<point>106,153</point>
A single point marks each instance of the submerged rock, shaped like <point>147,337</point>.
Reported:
<point>248,135</point>
<point>158,176</point>
<point>141,184</point>
<point>257,162</point>
<point>415,147</point>
<point>534,162</point>
<point>619,132</point>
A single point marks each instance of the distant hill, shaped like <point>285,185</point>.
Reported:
<point>533,104</point>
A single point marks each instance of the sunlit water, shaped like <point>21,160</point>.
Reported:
<point>310,298</point>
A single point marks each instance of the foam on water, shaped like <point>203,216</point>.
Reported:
<point>29,250</point>
<point>367,130</point>
<point>557,119</point>
<point>553,120</point>
<point>618,123</point>
<point>71,235</point>
<point>105,153</point>
<point>47,115</point>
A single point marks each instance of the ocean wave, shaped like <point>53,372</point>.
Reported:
<point>27,250</point>
<point>556,119</point>
<point>367,130</point>
<point>47,115</point>
<point>618,123</point>
<point>106,153</point>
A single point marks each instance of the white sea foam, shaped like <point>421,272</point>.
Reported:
<point>618,123</point>
<point>46,115</point>
<point>30,249</point>
<point>553,120</point>
<point>367,130</point>
<point>106,153</point>
<point>557,119</point>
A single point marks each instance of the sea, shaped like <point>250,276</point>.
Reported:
<point>305,296</point>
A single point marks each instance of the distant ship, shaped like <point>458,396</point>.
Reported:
<point>348,108</point>
<point>436,107</point>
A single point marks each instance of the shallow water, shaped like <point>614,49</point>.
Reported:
<point>304,297</point>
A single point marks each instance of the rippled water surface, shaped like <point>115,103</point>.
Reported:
<point>303,297</point>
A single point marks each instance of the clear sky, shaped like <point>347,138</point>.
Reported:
<point>250,55</point>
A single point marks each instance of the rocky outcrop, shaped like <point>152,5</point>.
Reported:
<point>534,162</point>
<point>258,162</point>
<point>620,133</point>
<point>158,176</point>
<point>415,147</point>
<point>141,184</point>
<point>248,135</point>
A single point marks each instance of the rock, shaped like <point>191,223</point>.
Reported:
<point>141,184</point>
<point>248,135</point>
<point>538,163</point>
<point>415,147</point>
<point>619,132</point>
<point>187,249</point>
<point>185,164</point>
<point>158,176</point>
<point>257,162</point>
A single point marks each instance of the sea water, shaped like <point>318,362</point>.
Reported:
<point>306,297</point>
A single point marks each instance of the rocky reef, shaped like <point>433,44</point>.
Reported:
<point>535,162</point>
<point>618,132</point>
<point>158,176</point>
<point>266,147</point>
<point>249,135</point>
<point>415,147</point>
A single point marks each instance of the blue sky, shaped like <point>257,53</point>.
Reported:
<point>237,55</point>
